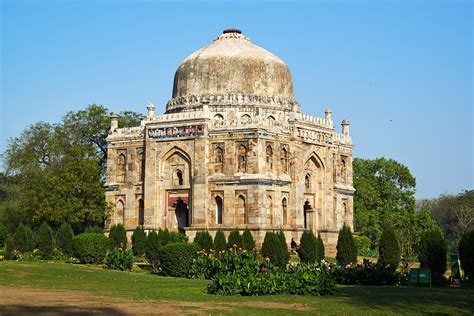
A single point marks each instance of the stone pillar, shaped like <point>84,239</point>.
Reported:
<point>151,110</point>
<point>113,121</point>
<point>345,127</point>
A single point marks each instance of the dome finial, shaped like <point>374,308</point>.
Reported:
<point>232,30</point>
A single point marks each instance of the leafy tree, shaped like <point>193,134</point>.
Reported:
<point>466,254</point>
<point>3,234</point>
<point>432,253</point>
<point>118,237</point>
<point>346,248</point>
<point>153,244</point>
<point>65,237</point>
<point>248,242</point>
<point>219,241</point>
<point>46,240</point>
<point>55,172</point>
<point>234,239</point>
<point>139,241</point>
<point>204,240</point>
<point>389,250</point>
<point>272,248</point>
<point>453,213</point>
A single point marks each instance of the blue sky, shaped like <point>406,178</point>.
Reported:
<point>400,71</point>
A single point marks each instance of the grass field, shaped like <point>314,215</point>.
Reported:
<point>58,288</point>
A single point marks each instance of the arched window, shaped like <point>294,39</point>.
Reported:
<point>344,169</point>
<point>245,119</point>
<point>269,153</point>
<point>141,165</point>
<point>284,211</point>
<point>218,210</point>
<point>269,205</point>
<point>284,160</point>
<point>218,120</point>
<point>271,120</point>
<point>120,165</point>
<point>141,213</point>
<point>179,176</point>
<point>307,181</point>
<point>219,159</point>
<point>119,212</point>
<point>242,159</point>
<point>242,208</point>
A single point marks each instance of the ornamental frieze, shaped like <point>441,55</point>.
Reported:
<point>176,131</point>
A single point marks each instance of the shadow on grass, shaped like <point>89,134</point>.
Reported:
<point>410,300</point>
<point>57,310</point>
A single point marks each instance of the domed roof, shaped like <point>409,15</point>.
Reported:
<point>232,64</point>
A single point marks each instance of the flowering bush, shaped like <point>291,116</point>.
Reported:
<point>365,273</point>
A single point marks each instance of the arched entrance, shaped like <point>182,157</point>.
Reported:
<point>307,209</point>
<point>181,213</point>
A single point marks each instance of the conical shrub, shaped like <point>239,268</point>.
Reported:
<point>219,241</point>
<point>204,240</point>
<point>65,237</point>
<point>346,247</point>
<point>389,249</point>
<point>234,239</point>
<point>45,240</point>
<point>248,242</point>
<point>139,241</point>
<point>308,250</point>
<point>118,237</point>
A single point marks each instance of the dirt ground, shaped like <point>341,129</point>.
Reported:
<point>33,301</point>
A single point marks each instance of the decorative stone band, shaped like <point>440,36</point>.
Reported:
<point>128,132</point>
<point>231,99</point>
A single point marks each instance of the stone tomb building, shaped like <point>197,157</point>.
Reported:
<point>232,150</point>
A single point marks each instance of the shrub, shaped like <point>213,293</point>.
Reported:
<point>285,254</point>
<point>320,246</point>
<point>346,248</point>
<point>118,259</point>
<point>22,241</point>
<point>139,241</point>
<point>389,249</point>
<point>90,247</point>
<point>308,279</point>
<point>432,253</point>
<point>308,250</point>
<point>164,236</point>
<point>219,241</point>
<point>362,243</point>
<point>3,235</point>
<point>45,240</point>
<point>153,244</point>
<point>178,237</point>
<point>272,248</point>
<point>466,254</point>
<point>204,240</point>
<point>65,237</point>
<point>177,259</point>
<point>248,242</point>
<point>366,273</point>
<point>234,239</point>
<point>93,230</point>
<point>118,237</point>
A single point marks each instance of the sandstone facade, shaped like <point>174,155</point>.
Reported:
<point>232,150</point>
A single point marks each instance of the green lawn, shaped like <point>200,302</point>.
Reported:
<point>133,286</point>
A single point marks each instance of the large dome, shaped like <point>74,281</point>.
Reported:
<point>232,64</point>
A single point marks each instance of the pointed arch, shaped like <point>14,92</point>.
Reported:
<point>242,152</point>
<point>284,211</point>
<point>219,204</point>
<point>314,158</point>
<point>119,212</point>
<point>120,166</point>
<point>269,158</point>
<point>141,212</point>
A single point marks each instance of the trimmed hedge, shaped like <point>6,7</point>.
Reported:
<point>153,244</point>
<point>220,244</point>
<point>204,240</point>
<point>177,259</point>
<point>45,240</point>
<point>234,239</point>
<point>311,247</point>
<point>432,253</point>
<point>65,237</point>
<point>346,248</point>
<point>139,241</point>
<point>273,249</point>
<point>248,242</point>
<point>389,249</point>
<point>466,254</point>
<point>118,237</point>
<point>90,247</point>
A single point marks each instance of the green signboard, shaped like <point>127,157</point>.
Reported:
<point>420,276</point>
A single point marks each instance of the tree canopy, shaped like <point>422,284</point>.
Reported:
<point>55,172</point>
